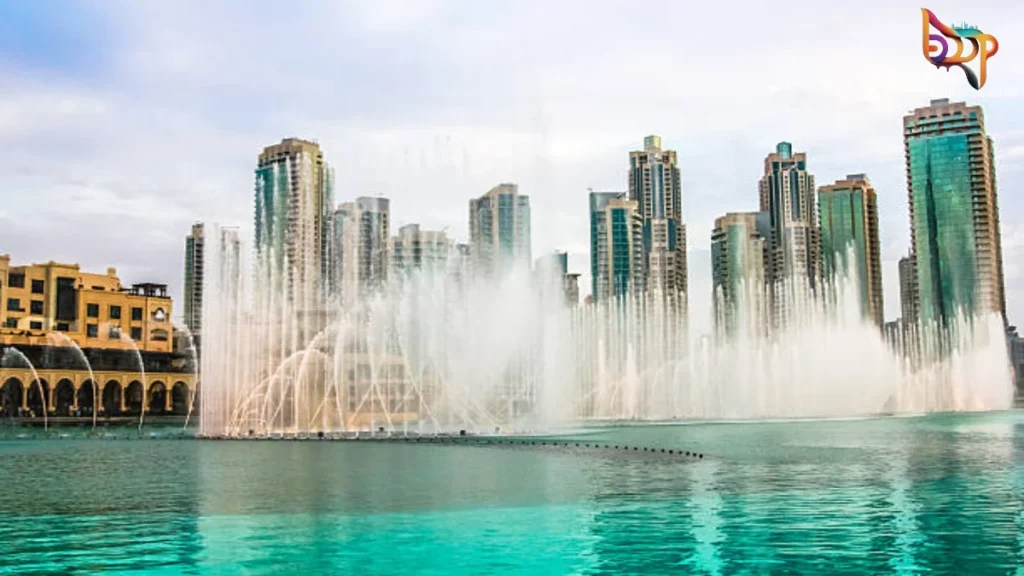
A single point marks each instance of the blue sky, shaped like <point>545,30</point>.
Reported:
<point>121,123</point>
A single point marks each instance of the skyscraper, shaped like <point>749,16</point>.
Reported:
<point>954,212</point>
<point>616,246</point>
<point>848,224</point>
<point>499,230</point>
<point>294,197</point>
<point>741,271</point>
<point>655,184</point>
<point>193,285</point>
<point>229,252</point>
<point>908,291</point>
<point>416,249</point>
<point>787,194</point>
<point>553,269</point>
<point>360,234</point>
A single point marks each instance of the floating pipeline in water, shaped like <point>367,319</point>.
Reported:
<point>463,439</point>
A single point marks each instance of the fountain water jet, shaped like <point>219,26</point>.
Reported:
<point>433,351</point>
<point>88,367</point>
<point>13,352</point>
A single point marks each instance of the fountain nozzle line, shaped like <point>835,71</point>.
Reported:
<point>465,440</point>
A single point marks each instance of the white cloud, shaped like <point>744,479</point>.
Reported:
<point>432,102</point>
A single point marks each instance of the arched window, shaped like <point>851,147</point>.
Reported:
<point>159,315</point>
<point>158,335</point>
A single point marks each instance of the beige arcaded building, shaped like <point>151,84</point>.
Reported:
<point>94,310</point>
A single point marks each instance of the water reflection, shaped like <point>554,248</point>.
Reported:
<point>705,504</point>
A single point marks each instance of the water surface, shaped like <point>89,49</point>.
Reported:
<point>939,494</point>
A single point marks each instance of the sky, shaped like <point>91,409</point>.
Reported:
<point>122,123</point>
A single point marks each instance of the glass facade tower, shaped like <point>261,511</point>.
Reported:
<point>616,246</point>
<point>848,225</point>
<point>954,212</point>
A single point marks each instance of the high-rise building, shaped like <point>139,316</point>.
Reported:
<point>294,197</point>
<point>848,224</point>
<point>416,249</point>
<point>655,184</point>
<point>741,271</point>
<point>553,269</point>
<point>360,233</point>
<point>499,230</point>
<point>954,212</point>
<point>1015,343</point>
<point>193,286</point>
<point>908,291</point>
<point>228,264</point>
<point>616,246</point>
<point>787,194</point>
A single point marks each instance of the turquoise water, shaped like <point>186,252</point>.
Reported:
<point>938,494</point>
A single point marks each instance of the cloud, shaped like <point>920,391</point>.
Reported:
<point>157,120</point>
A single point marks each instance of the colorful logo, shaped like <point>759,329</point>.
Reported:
<point>984,46</point>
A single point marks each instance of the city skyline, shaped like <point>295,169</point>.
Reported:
<point>550,138</point>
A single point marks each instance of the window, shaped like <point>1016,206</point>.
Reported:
<point>159,315</point>
<point>136,314</point>
<point>36,307</point>
<point>35,325</point>
<point>92,330</point>
<point>136,333</point>
<point>92,310</point>
<point>115,312</point>
<point>38,286</point>
<point>158,335</point>
<point>114,332</point>
<point>14,305</point>
<point>63,327</point>
<point>11,323</point>
<point>16,280</point>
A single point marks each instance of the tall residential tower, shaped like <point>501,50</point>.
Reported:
<point>616,246</point>
<point>655,185</point>
<point>499,230</point>
<point>848,224</point>
<point>954,212</point>
<point>294,197</point>
<point>741,271</point>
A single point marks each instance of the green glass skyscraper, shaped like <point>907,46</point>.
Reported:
<point>848,228</point>
<point>616,246</point>
<point>954,213</point>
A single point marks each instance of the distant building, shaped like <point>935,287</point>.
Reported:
<point>616,246</point>
<point>908,290</point>
<point>360,236</point>
<point>1016,348</point>
<point>294,197</point>
<point>554,269</point>
<point>848,224</point>
<point>954,212</point>
<point>416,249</point>
<point>655,185</point>
<point>499,230</point>
<point>741,271</point>
<point>195,262</point>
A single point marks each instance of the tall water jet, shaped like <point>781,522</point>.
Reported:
<point>13,353</point>
<point>92,377</point>
<point>432,351</point>
<point>194,365</point>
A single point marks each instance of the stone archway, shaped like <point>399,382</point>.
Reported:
<point>87,398</point>
<point>134,395</point>
<point>156,399</point>
<point>38,393</point>
<point>180,398</point>
<point>111,401</point>
<point>10,397</point>
<point>63,397</point>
